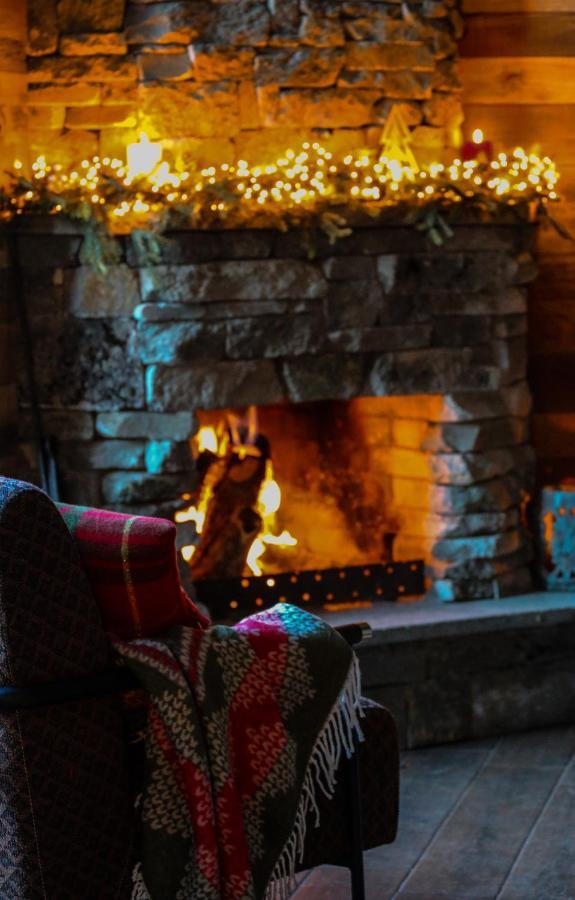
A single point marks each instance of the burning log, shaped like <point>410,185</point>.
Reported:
<point>232,483</point>
<point>236,502</point>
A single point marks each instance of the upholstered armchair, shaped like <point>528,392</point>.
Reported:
<point>67,822</point>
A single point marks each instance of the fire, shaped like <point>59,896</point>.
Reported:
<point>212,440</point>
<point>269,501</point>
<point>207,439</point>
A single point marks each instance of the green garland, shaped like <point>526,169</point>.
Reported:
<point>307,189</point>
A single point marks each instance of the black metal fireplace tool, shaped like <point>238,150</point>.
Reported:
<point>118,680</point>
<point>45,449</point>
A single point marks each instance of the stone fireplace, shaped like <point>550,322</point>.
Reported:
<point>389,379</point>
<point>388,373</point>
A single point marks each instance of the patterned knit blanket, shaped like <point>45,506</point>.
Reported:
<point>245,725</point>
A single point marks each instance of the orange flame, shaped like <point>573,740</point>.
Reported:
<point>268,502</point>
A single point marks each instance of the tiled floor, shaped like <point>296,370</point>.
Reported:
<point>478,821</point>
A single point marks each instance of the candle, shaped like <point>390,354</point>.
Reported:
<point>477,148</point>
<point>143,157</point>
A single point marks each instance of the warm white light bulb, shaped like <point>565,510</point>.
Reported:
<point>477,136</point>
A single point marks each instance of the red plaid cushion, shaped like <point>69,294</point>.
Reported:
<point>131,564</point>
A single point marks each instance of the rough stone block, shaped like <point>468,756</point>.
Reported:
<point>167,23</point>
<point>96,117</point>
<point>209,385</point>
<point>373,55</point>
<point>64,94</point>
<point>119,95</point>
<point>50,118</point>
<point>461,331</point>
<point>249,107</point>
<point>48,251</point>
<point>82,488</point>
<point>348,268</point>
<point>43,28</point>
<point>139,487</point>
<point>88,363</point>
<point>243,23</point>
<point>95,295</point>
<point>486,546</point>
<point>242,280</point>
<point>509,326</point>
<point>159,426</point>
<point>522,269</point>
<point>443,111</point>
<point>461,406</point>
<point>85,456</point>
<point>373,340</point>
<point>498,494</point>
<point>212,312</point>
<point>111,43</point>
<point>190,110</point>
<point>369,24</point>
<point>411,112</point>
<point>449,272</point>
<point>245,244</point>
<point>320,26</point>
<point>518,581</point>
<point>181,247</point>
<point>329,376</point>
<point>165,66</point>
<point>216,63</point>
<point>307,67</point>
<point>168,456</point>
<point>485,568</point>
<point>98,15</point>
<point>454,468</point>
<point>445,76</point>
<point>269,336</point>
<point>404,85</point>
<point>324,107</point>
<point>67,69</point>
<point>472,437</point>
<point>511,356</point>
<point>352,304</point>
<point>181,342</point>
<point>429,372</point>
<point>65,425</point>
<point>431,525</point>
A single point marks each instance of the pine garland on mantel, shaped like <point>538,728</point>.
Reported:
<point>308,188</point>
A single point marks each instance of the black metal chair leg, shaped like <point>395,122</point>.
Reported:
<point>355,827</point>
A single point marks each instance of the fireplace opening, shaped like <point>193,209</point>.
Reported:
<point>372,481</point>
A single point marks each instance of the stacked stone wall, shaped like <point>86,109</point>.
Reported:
<point>228,319</point>
<point>220,81</point>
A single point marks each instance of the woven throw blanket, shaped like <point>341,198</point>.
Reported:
<point>245,725</point>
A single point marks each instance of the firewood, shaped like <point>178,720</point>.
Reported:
<point>231,485</point>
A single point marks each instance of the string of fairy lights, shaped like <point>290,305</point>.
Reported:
<point>145,189</point>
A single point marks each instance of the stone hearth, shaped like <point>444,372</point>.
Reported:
<point>126,360</point>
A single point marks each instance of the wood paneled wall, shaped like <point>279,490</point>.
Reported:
<point>518,72</point>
